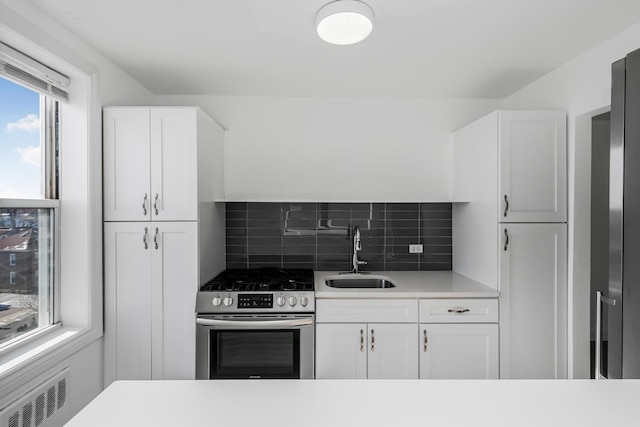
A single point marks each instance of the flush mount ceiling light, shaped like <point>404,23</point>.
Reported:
<point>344,22</point>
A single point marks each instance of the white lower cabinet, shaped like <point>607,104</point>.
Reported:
<point>366,350</point>
<point>459,351</point>
<point>393,351</point>
<point>366,338</point>
<point>341,351</point>
<point>533,303</point>
<point>447,338</point>
<point>150,286</point>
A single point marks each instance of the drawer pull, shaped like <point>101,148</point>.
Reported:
<point>361,340</point>
<point>373,341</point>
<point>426,341</point>
<point>458,310</point>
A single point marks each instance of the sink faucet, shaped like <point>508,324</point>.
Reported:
<point>357,246</point>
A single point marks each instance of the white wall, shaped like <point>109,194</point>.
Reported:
<point>27,29</point>
<point>582,87</point>
<point>369,149</point>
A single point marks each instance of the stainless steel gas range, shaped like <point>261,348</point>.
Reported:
<point>256,323</point>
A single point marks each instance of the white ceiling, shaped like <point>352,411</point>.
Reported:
<point>418,48</point>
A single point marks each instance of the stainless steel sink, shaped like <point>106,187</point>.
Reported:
<point>357,282</point>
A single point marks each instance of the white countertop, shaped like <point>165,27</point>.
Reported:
<point>369,403</point>
<point>410,284</point>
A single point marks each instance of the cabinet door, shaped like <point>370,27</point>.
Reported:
<point>174,248</point>
<point>533,290</point>
<point>341,351</point>
<point>532,166</point>
<point>459,351</point>
<point>126,164</point>
<point>174,174</point>
<point>393,351</point>
<point>127,274</point>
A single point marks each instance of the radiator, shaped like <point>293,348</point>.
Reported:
<point>44,405</point>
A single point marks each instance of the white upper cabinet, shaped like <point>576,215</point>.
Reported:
<point>532,166</point>
<point>174,172</point>
<point>127,164</point>
<point>512,164</point>
<point>159,162</point>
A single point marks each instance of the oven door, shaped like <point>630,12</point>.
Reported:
<point>254,346</point>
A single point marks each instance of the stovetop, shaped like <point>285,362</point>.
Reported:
<point>260,290</point>
<point>261,280</point>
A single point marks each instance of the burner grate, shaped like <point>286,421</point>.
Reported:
<point>261,280</point>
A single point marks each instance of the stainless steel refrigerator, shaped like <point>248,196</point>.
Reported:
<point>621,304</point>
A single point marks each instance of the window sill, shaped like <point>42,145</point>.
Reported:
<point>50,349</point>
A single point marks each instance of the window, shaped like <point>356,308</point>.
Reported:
<point>29,205</point>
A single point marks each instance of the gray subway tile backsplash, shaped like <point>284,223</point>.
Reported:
<point>318,235</point>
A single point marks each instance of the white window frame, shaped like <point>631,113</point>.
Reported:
<point>48,272</point>
<point>80,276</point>
<point>12,277</point>
<point>12,260</point>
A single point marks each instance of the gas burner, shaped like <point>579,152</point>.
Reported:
<point>291,285</point>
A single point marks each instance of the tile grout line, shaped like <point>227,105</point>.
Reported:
<point>246,214</point>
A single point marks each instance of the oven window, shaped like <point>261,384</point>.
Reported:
<point>255,354</point>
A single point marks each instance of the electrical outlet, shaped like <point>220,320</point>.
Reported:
<point>415,249</point>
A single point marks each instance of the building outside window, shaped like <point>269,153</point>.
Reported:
<point>29,205</point>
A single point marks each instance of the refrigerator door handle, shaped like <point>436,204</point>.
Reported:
<point>600,299</point>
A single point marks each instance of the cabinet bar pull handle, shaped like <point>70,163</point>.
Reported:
<point>373,341</point>
<point>458,310</point>
<point>155,239</point>
<point>506,205</point>
<point>426,341</point>
<point>361,340</point>
<point>506,242</point>
<point>155,204</point>
<point>600,299</point>
<point>144,204</point>
<point>144,238</point>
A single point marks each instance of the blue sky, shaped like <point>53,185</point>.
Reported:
<point>19,142</point>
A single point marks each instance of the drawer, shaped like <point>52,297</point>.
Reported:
<point>366,310</point>
<point>459,311</point>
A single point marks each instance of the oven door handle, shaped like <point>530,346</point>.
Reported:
<point>254,324</point>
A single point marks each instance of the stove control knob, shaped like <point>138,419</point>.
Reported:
<point>216,301</point>
<point>280,301</point>
<point>228,301</point>
<point>293,301</point>
<point>304,301</point>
